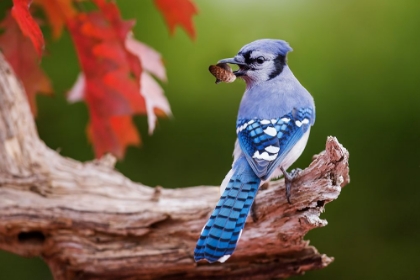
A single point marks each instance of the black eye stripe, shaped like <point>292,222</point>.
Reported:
<point>279,63</point>
<point>251,60</point>
<point>247,57</point>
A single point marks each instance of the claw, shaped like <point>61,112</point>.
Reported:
<point>288,180</point>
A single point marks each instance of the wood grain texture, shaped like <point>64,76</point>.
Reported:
<point>88,221</point>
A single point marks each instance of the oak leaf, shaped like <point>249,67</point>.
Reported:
<point>110,83</point>
<point>118,73</point>
<point>22,56</point>
<point>116,132</point>
<point>156,102</point>
<point>57,12</point>
<point>27,24</point>
<point>178,13</point>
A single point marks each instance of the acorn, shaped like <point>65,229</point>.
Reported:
<point>222,72</point>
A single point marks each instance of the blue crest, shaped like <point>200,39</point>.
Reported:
<point>267,45</point>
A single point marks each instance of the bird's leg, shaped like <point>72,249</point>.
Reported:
<point>288,180</point>
<point>254,212</point>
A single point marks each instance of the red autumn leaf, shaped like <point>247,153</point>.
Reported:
<point>110,83</point>
<point>57,12</point>
<point>122,29</point>
<point>117,132</point>
<point>125,131</point>
<point>23,58</point>
<point>27,24</point>
<point>178,12</point>
<point>156,102</point>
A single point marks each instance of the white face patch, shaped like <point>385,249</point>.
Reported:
<point>262,72</point>
<point>272,149</point>
<point>270,131</point>
<point>264,122</point>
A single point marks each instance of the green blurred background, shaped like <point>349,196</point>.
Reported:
<point>360,60</point>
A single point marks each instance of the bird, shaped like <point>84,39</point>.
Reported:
<point>273,124</point>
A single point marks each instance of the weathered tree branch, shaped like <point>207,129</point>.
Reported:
<point>88,221</point>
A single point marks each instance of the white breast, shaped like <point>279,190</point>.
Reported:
<point>292,156</point>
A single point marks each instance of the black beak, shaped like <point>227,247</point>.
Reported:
<point>231,61</point>
<point>242,66</point>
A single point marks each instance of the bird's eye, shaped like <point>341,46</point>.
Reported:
<point>260,60</point>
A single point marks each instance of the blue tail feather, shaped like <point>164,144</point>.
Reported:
<point>222,231</point>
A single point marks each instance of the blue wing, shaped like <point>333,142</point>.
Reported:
<point>266,142</point>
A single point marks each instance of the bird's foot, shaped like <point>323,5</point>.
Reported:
<point>288,180</point>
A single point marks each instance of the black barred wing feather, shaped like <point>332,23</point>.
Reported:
<point>266,142</point>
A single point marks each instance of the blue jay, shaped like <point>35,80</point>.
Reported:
<point>273,124</point>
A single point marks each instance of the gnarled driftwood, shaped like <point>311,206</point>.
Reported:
<point>87,221</point>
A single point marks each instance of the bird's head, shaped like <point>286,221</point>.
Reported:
<point>261,60</point>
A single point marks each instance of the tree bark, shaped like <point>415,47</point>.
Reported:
<point>88,221</point>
